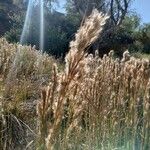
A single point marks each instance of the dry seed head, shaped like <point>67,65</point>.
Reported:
<point>147,106</point>
<point>111,53</point>
<point>96,54</point>
<point>87,33</point>
<point>145,63</point>
<point>126,56</point>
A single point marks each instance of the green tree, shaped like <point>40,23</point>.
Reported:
<point>139,33</point>
<point>145,38</point>
<point>117,9</point>
<point>114,35</point>
<point>5,20</point>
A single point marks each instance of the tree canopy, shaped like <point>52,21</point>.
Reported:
<point>122,31</point>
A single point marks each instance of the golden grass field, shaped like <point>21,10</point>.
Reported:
<point>89,103</point>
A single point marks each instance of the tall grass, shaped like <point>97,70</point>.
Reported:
<point>96,103</point>
<point>92,104</point>
<point>23,72</point>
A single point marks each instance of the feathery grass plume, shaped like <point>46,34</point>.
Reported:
<point>45,109</point>
<point>85,36</point>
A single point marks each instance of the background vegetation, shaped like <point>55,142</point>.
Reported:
<point>124,29</point>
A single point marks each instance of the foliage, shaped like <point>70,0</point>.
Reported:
<point>129,34</point>
<point>137,35</point>
<point>57,41</point>
<point>145,38</point>
<point>60,29</point>
<point>13,35</point>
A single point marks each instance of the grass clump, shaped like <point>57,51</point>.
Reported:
<point>23,72</point>
<point>96,103</point>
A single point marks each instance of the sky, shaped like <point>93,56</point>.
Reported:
<point>142,7</point>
